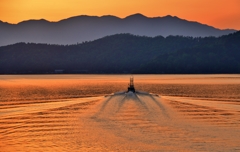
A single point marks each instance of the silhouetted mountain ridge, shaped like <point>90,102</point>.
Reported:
<point>87,28</point>
<point>127,53</point>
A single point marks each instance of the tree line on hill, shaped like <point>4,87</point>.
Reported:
<point>126,53</point>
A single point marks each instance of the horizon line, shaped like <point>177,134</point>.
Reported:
<point>150,17</point>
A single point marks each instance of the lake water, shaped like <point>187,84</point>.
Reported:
<point>76,113</point>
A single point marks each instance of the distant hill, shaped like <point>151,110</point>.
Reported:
<point>87,28</point>
<point>126,53</point>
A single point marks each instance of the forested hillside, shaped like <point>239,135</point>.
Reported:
<point>126,53</point>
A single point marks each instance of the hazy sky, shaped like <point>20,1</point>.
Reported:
<point>218,13</point>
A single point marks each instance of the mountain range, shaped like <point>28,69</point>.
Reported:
<point>88,28</point>
<point>126,53</point>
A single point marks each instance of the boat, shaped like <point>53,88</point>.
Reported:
<point>131,85</point>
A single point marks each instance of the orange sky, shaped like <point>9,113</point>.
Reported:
<point>218,13</point>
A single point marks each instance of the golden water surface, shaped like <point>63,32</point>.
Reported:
<point>82,113</point>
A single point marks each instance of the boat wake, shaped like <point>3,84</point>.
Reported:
<point>124,121</point>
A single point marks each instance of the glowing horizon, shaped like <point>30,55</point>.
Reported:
<point>218,13</point>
